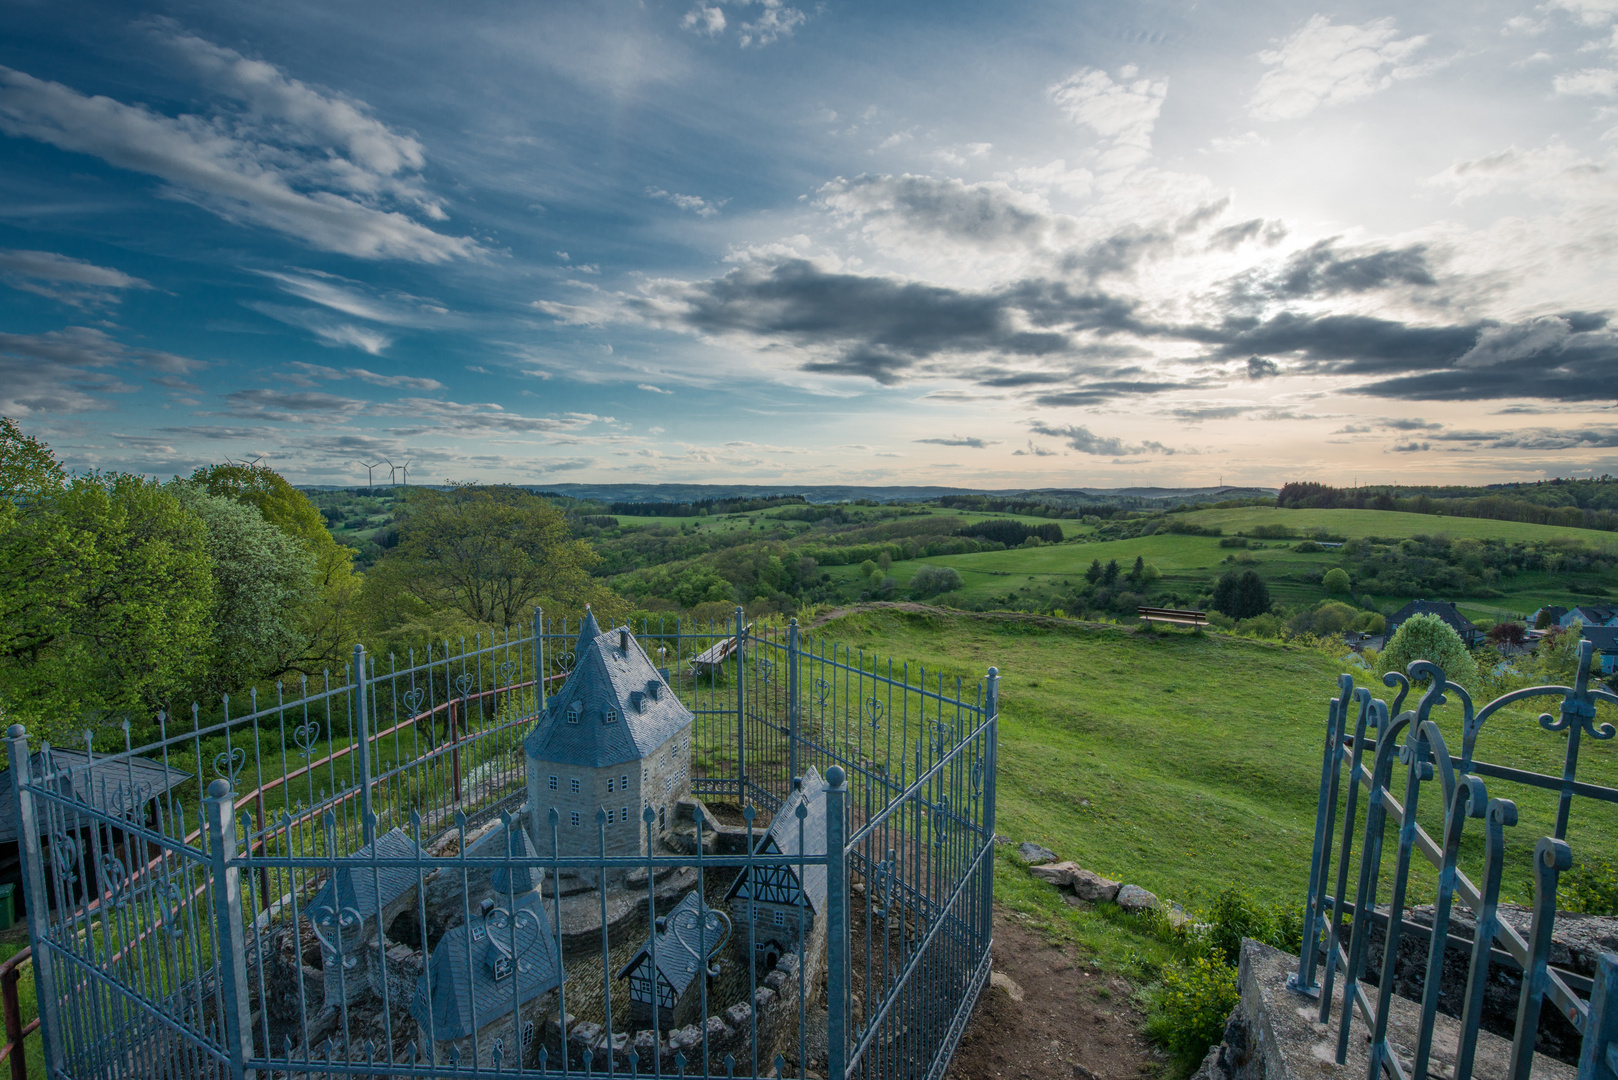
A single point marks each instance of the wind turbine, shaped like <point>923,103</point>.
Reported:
<point>405,468</point>
<point>368,469</point>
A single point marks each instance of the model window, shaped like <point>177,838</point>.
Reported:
<point>623,782</point>
<point>575,819</point>
<point>527,1034</point>
<point>609,815</point>
<point>553,783</point>
<point>573,784</point>
<point>573,711</point>
<point>612,716</point>
<point>609,785</point>
<point>626,815</point>
<point>780,918</point>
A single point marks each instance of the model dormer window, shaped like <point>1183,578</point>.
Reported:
<point>573,712</point>
<point>637,700</point>
<point>611,717</point>
<point>654,690</point>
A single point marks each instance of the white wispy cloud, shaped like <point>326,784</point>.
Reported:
<point>1324,64</point>
<point>1122,112</point>
<point>61,277</point>
<point>1591,82</point>
<point>705,19</point>
<point>696,204</point>
<point>289,157</point>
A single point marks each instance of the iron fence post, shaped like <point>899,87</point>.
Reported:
<point>218,810</point>
<point>792,698</point>
<point>539,660</point>
<point>991,708</point>
<point>367,813</point>
<point>33,874</point>
<point>836,923</point>
<point>1599,1059</point>
<point>741,709</point>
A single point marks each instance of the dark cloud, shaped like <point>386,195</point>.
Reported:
<point>1259,367</point>
<point>1095,393</point>
<point>304,405</point>
<point>981,214</point>
<point>1410,447</point>
<point>1322,270</point>
<point>1210,412</point>
<point>1340,344</point>
<point>960,440</point>
<point>1035,450</point>
<point>1233,236</point>
<point>69,370</point>
<point>1086,441</point>
<point>1590,438</point>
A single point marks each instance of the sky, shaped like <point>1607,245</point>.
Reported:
<point>779,242</point>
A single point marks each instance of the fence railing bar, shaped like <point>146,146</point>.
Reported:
<point>1520,776</point>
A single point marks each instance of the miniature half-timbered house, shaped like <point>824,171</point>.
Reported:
<point>780,904</point>
<point>353,910</point>
<point>685,941</point>
<point>614,739</point>
<point>486,986</point>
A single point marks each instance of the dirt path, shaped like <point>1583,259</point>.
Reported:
<point>1072,1022</point>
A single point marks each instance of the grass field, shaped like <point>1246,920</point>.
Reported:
<point>1391,523</point>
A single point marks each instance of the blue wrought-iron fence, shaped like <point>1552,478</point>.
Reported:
<point>259,891</point>
<point>1368,742</point>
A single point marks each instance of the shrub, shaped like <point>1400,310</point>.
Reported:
<point>1590,887</point>
<point>1197,997</point>
<point>1233,542</point>
<point>932,580</point>
<point>1241,594</point>
<point>1336,581</point>
<point>1307,547</point>
<point>1428,637</point>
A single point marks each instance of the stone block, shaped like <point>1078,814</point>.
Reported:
<point>1058,874</point>
<point>1089,885</point>
<point>1034,854</point>
<point>1136,899</point>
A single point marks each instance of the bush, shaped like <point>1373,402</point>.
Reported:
<point>1197,997</point>
<point>1233,542</point>
<point>1241,594</point>
<point>1336,581</point>
<point>932,580</point>
<point>1307,547</point>
<point>1427,637</point>
<point>1590,887</point>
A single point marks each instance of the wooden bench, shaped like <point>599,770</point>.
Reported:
<point>716,655</point>
<point>1173,616</point>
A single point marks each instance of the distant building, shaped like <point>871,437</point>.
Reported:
<point>684,941</point>
<point>1552,614</point>
<point>614,739</point>
<point>780,904</point>
<point>1605,639</point>
<point>1444,610</point>
<point>486,987</point>
<point>353,910</point>
<point>1591,615</point>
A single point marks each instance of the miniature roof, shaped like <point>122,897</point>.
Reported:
<point>365,888</point>
<point>466,994</point>
<point>113,786</point>
<point>1594,614</point>
<point>684,943</point>
<point>1604,638</point>
<point>782,839</point>
<point>611,671</point>
<point>1443,609</point>
<point>515,877</point>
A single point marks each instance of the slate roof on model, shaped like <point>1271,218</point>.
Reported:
<point>1444,610</point>
<point>684,944</point>
<point>783,839</point>
<point>1591,615</point>
<point>611,672</point>
<point>514,878</point>
<point>465,994</point>
<point>111,787</point>
<point>367,888</point>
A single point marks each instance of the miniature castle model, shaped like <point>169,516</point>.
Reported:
<point>614,739</point>
<point>684,940</point>
<point>782,905</point>
<point>352,911</point>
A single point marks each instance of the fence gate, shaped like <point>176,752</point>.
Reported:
<point>340,879</point>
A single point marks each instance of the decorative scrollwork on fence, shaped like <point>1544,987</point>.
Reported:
<point>228,765</point>
<point>65,850</point>
<point>709,923</point>
<point>325,918</point>
<point>115,875</point>
<point>128,801</point>
<point>564,662</point>
<point>413,699</point>
<point>304,737</point>
<point>766,670</point>
<point>882,881</point>
<point>821,691</point>
<point>940,816</point>
<point>171,902</point>
<point>506,673</point>
<point>977,777</point>
<point>464,683</point>
<point>874,709</point>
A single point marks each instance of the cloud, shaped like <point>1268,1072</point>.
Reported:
<point>68,371</point>
<point>1231,237</point>
<point>1518,341</point>
<point>775,21</point>
<point>694,203</point>
<point>1322,270</point>
<point>650,389</point>
<point>1322,65</point>
<point>1411,424</point>
<point>1229,144</point>
<point>1591,82</point>
<point>1590,438</point>
<point>555,465</point>
<point>406,382</point>
<point>1086,441</point>
<point>334,333</point>
<point>1552,170</point>
<point>289,157</point>
<point>1035,450</point>
<point>1589,12</point>
<point>1259,367</point>
<point>65,279</point>
<point>705,19</point>
<point>1410,447</point>
<point>354,299</point>
<point>487,418</point>
<point>1123,113</point>
<point>960,440</point>
<point>292,407</point>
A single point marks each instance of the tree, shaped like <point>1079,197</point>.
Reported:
<point>1513,634</point>
<point>1093,574</point>
<point>1428,637</point>
<point>492,553</point>
<point>262,577</point>
<point>931,580</point>
<point>27,466</point>
<point>1109,575</point>
<point>1138,571</point>
<point>327,615</point>
<point>1241,594</point>
<point>1337,581</point>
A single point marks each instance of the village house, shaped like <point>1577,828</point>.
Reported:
<point>353,911</point>
<point>780,903</point>
<point>615,739</point>
<point>487,986</point>
<point>1444,610</point>
<point>1590,615</point>
<point>684,942</point>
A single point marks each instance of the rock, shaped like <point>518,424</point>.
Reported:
<point>717,1030</point>
<point>775,980</point>
<point>1033,854</point>
<point>739,1014</point>
<point>1088,885</point>
<point>762,998</point>
<point>1177,915</point>
<point>1006,983</point>
<point>1058,874</point>
<point>1081,1073</point>
<point>1135,899</point>
<point>687,1039</point>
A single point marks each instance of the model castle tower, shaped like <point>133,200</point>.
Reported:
<point>614,739</point>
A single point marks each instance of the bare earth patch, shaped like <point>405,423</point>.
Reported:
<point>1073,1022</point>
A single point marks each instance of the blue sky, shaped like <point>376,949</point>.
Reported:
<point>1008,245</point>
